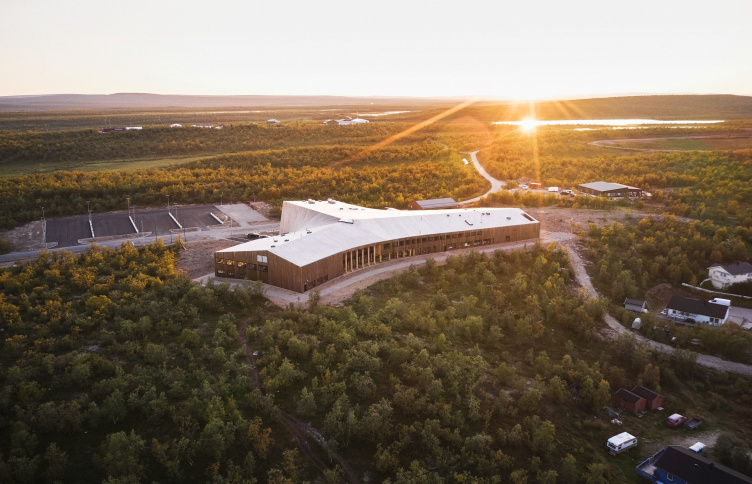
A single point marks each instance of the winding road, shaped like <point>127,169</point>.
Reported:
<point>496,185</point>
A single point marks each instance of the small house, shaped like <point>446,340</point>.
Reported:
<point>433,204</point>
<point>652,400</point>
<point>714,313</point>
<point>723,276</point>
<point>629,401</point>
<point>635,305</point>
<point>678,465</point>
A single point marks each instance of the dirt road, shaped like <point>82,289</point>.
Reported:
<point>616,328</point>
<point>496,185</point>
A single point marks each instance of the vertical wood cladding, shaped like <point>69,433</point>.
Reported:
<point>271,269</point>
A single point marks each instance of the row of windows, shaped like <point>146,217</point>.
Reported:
<point>433,238</point>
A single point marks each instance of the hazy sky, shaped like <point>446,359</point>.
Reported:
<point>520,49</point>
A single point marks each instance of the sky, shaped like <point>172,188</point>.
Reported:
<point>525,49</point>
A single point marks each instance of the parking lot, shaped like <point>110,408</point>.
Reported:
<point>67,231</point>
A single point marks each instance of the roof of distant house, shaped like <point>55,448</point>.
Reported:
<point>627,396</point>
<point>735,268</point>
<point>693,467</point>
<point>634,302</point>
<point>645,393</point>
<point>697,306</point>
<point>603,186</point>
<point>437,203</point>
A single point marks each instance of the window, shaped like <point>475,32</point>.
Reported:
<point>261,258</point>
<point>230,262</point>
<point>670,477</point>
<point>263,268</point>
<point>218,260</point>
<point>387,246</point>
<point>251,266</point>
<point>241,263</point>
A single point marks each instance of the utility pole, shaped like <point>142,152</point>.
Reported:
<point>168,203</point>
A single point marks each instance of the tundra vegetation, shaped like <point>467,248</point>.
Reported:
<point>489,369</point>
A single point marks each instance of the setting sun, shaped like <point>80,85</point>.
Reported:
<point>528,125</point>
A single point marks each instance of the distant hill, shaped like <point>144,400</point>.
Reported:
<point>661,107</point>
<point>87,102</point>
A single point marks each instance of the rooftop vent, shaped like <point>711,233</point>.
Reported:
<point>287,240</point>
<point>346,220</point>
<point>509,218</point>
<point>468,222</point>
<point>311,201</point>
<point>331,201</point>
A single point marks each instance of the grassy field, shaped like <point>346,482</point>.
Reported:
<point>688,144</point>
<point>16,169</point>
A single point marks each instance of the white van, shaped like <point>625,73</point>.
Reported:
<point>621,442</point>
<point>553,189</point>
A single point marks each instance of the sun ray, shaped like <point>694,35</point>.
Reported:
<point>408,131</point>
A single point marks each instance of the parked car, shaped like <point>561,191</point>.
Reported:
<point>566,192</point>
<point>692,423</point>
<point>524,187</point>
<point>675,420</point>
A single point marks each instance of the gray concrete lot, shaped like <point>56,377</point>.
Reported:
<point>740,315</point>
<point>67,231</point>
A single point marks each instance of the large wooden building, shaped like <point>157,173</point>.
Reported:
<point>321,240</point>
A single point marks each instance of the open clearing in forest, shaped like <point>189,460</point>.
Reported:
<point>729,142</point>
<point>27,168</point>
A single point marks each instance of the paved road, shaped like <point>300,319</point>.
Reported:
<point>496,185</point>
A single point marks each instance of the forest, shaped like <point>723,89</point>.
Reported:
<point>116,368</point>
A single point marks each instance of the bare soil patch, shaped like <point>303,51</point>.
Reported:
<point>263,208</point>
<point>658,296</point>
<point>25,237</point>
<point>572,220</point>
<point>198,258</point>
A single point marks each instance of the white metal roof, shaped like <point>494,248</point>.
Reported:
<point>619,439</point>
<point>318,229</point>
<point>603,186</point>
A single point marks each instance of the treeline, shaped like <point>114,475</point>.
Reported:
<point>90,145</point>
<point>629,260</point>
<point>374,180</point>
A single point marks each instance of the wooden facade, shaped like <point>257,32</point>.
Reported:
<point>271,269</point>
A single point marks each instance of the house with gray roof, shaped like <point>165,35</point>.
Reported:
<point>724,276</point>
<point>697,310</point>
